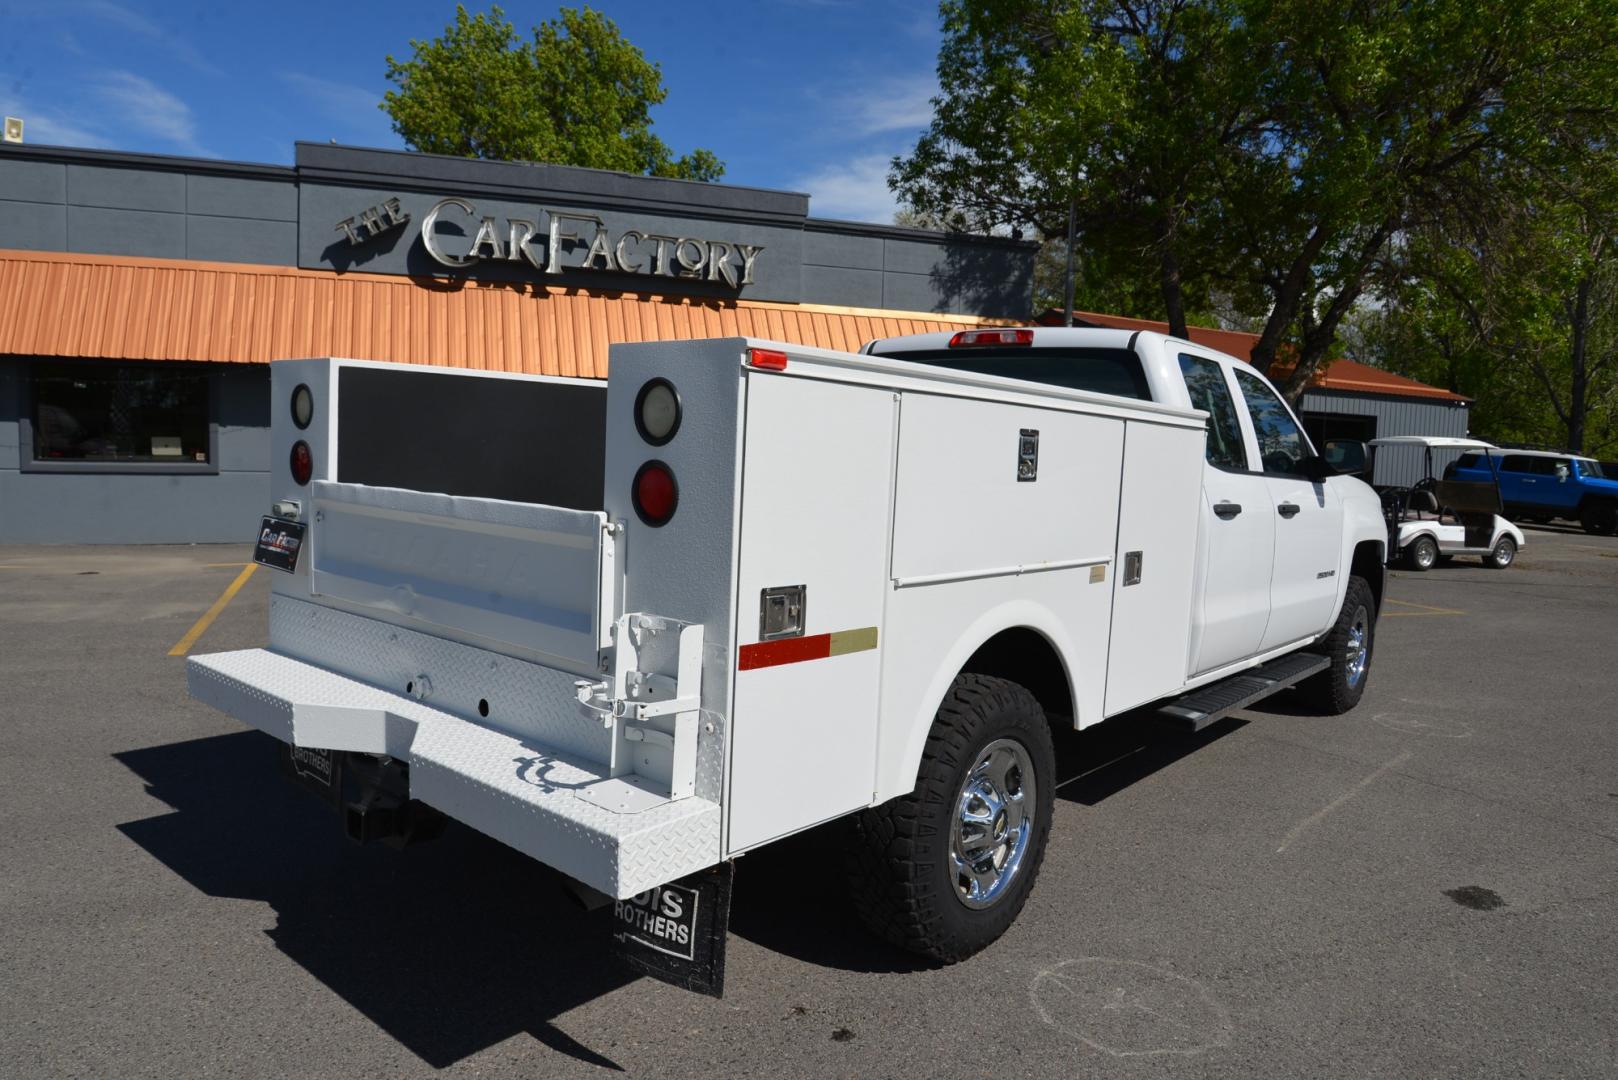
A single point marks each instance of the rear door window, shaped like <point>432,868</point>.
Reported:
<point>1517,463</point>
<point>1281,446</point>
<point>1205,381</point>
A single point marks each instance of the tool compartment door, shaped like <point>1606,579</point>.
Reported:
<point>817,470</point>
<point>1157,548</point>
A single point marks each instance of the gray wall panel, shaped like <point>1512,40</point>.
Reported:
<point>912,292</point>
<point>33,181</point>
<point>231,196</point>
<point>31,226</point>
<point>912,256</point>
<point>830,249</point>
<point>126,189</point>
<point>837,285</point>
<point>95,508</point>
<point>125,232</point>
<point>222,239</point>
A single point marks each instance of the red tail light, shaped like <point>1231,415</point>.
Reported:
<point>303,462</point>
<point>655,493</point>
<point>768,359</point>
<point>1003,336</point>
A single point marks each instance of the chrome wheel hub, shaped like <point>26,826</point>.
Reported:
<point>994,822</point>
<point>1358,653</point>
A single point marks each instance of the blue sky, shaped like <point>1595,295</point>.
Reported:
<point>807,95</point>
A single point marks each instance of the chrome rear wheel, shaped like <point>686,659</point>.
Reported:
<point>994,819</point>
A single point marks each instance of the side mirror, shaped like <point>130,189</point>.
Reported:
<point>1346,455</point>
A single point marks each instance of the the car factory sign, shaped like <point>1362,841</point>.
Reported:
<point>558,240</point>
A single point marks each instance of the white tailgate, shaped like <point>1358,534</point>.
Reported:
<point>525,579</point>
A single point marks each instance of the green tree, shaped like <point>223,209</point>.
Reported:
<point>1267,153</point>
<point>1518,310</point>
<point>578,93</point>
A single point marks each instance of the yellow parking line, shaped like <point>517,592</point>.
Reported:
<point>212,613</point>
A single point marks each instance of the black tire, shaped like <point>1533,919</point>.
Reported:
<point>1422,553</point>
<point>1599,517</point>
<point>1337,689</point>
<point>1503,555</point>
<point>900,862</point>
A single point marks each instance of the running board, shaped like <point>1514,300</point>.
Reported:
<point>1204,705</point>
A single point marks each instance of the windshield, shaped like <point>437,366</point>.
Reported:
<point>1100,371</point>
<point>1592,469</point>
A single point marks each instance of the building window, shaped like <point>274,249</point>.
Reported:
<point>111,417</point>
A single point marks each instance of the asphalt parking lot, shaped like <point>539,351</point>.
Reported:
<point>1427,886</point>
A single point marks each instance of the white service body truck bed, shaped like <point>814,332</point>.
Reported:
<point>631,702</point>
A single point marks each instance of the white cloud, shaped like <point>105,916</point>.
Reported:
<point>856,190</point>
<point>352,110</point>
<point>143,106</point>
<point>116,15</point>
<point>48,126</point>
<point>895,103</point>
<point>340,101</point>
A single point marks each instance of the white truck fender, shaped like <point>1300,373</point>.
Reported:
<point>1362,523</point>
<point>1013,615</point>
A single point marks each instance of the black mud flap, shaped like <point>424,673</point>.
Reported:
<point>676,932</point>
<point>319,772</point>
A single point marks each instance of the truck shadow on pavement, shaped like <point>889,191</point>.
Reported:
<point>449,947</point>
<point>1099,762</point>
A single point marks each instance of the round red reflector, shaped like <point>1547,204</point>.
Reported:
<point>303,462</point>
<point>654,493</point>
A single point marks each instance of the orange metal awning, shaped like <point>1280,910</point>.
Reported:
<point>54,304</point>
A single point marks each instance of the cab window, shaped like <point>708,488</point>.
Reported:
<point>1281,446</point>
<point>1209,392</point>
<point>1517,463</point>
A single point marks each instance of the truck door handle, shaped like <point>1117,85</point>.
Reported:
<point>1288,509</point>
<point>1227,510</point>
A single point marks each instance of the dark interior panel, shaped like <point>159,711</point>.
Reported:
<point>494,438</point>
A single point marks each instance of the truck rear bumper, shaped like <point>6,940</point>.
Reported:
<point>612,834</point>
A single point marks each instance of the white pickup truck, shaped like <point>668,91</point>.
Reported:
<point>638,629</point>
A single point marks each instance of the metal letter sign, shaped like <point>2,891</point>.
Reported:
<point>584,238</point>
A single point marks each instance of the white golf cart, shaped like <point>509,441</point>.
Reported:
<point>1435,519</point>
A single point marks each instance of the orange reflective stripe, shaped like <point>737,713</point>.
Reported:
<point>817,647</point>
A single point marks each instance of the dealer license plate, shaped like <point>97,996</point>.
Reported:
<point>279,542</point>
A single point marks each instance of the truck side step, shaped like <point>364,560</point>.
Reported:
<point>1202,706</point>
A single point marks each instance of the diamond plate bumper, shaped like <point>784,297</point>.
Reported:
<point>547,805</point>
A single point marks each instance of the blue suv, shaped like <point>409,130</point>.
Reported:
<point>1538,485</point>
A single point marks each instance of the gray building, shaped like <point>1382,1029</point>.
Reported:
<point>141,298</point>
